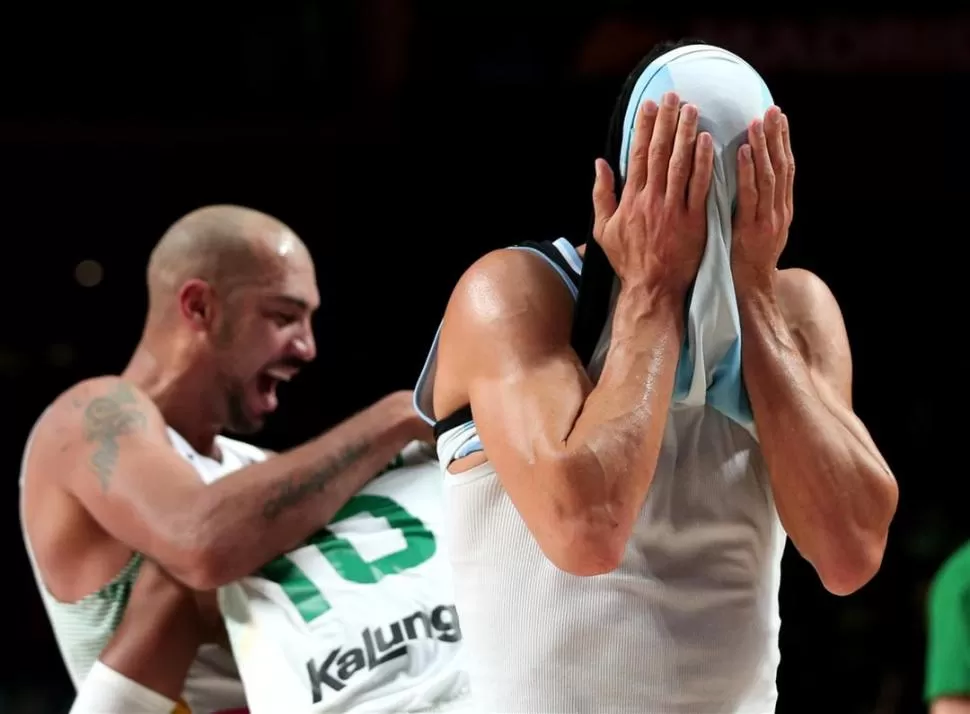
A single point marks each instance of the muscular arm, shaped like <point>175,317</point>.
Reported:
<point>577,461</point>
<point>117,460</point>
<point>834,491</point>
<point>159,635</point>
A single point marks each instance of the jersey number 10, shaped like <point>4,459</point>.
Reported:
<point>346,561</point>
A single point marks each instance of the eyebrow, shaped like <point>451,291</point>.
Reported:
<point>294,301</point>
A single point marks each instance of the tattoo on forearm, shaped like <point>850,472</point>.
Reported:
<point>293,491</point>
<point>105,419</point>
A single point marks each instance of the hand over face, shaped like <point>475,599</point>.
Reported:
<point>766,176</point>
<point>655,235</point>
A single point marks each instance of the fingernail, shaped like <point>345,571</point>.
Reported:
<point>649,108</point>
<point>688,111</point>
<point>670,99</point>
<point>704,140</point>
<point>596,168</point>
<point>746,152</point>
<point>759,127</point>
<point>775,117</point>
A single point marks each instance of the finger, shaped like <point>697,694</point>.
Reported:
<point>636,170</point>
<point>776,149</point>
<point>789,166</point>
<point>747,207</point>
<point>662,143</point>
<point>682,155</point>
<point>700,179</point>
<point>604,198</point>
<point>762,168</point>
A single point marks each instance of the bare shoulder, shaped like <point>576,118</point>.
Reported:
<point>509,306</point>
<point>102,406</point>
<point>508,285</point>
<point>91,416</point>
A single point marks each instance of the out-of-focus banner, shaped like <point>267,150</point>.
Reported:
<point>822,45</point>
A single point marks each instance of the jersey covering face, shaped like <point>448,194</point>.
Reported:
<point>361,617</point>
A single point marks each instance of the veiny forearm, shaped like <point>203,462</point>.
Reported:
<point>833,492</point>
<point>267,509</point>
<point>617,437</point>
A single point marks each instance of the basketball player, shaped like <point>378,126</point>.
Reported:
<point>946,688</point>
<point>359,619</point>
<point>115,470</point>
<point>639,455</point>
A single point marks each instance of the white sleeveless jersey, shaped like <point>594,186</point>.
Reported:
<point>83,629</point>
<point>213,684</point>
<point>687,624</point>
<point>362,617</point>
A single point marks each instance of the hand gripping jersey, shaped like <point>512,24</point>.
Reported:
<point>361,618</point>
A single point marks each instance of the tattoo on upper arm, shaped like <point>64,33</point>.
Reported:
<point>105,419</point>
<point>293,491</point>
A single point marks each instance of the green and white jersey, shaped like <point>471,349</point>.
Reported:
<point>83,628</point>
<point>361,618</point>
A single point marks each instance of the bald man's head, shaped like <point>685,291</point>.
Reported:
<point>226,246</point>
<point>240,286</point>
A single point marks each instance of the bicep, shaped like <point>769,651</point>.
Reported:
<point>118,463</point>
<point>525,407</point>
<point>506,334</point>
<point>148,504</point>
<point>525,410</point>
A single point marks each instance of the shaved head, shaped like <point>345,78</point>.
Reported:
<point>231,292</point>
<point>226,246</point>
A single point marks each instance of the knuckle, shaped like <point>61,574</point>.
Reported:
<point>642,205</point>
<point>673,209</point>
<point>656,151</point>
<point>678,165</point>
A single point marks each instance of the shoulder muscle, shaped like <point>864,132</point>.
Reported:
<point>106,444</point>
<point>510,294</point>
<point>509,308</point>
<point>96,416</point>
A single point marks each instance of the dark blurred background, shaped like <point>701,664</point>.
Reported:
<point>401,140</point>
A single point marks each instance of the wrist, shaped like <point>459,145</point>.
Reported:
<point>758,305</point>
<point>752,285</point>
<point>649,297</point>
<point>645,305</point>
<point>407,424</point>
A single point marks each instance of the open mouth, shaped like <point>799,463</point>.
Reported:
<point>266,383</point>
<point>266,399</point>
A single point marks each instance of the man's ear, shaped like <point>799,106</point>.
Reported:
<point>196,300</point>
